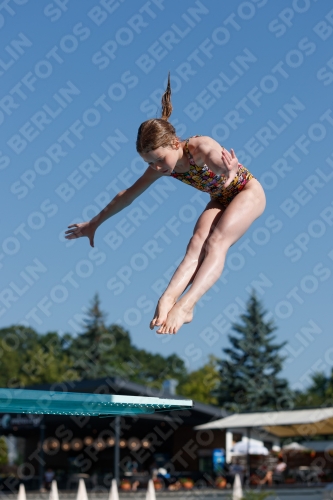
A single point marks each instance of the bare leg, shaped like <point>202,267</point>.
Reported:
<point>189,266</point>
<point>247,206</point>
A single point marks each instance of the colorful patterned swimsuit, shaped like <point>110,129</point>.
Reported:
<point>206,180</point>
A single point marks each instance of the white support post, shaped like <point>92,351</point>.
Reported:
<point>228,445</point>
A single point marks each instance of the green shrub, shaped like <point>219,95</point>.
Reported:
<point>256,495</point>
<point>3,451</point>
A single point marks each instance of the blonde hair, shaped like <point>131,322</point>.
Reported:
<point>157,132</point>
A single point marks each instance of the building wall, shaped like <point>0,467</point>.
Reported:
<point>189,445</point>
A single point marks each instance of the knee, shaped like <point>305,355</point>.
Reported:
<point>196,243</point>
<point>216,242</point>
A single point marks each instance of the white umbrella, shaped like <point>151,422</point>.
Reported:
<point>252,448</point>
<point>237,492</point>
<point>294,446</point>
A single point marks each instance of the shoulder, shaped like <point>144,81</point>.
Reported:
<point>201,146</point>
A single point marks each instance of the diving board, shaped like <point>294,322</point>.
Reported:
<point>77,403</point>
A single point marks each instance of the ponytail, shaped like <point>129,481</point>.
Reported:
<point>166,102</point>
<point>157,132</point>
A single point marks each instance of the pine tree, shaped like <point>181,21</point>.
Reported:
<point>249,378</point>
<point>106,350</point>
<point>92,350</point>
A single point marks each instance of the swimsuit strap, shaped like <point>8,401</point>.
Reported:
<point>187,148</point>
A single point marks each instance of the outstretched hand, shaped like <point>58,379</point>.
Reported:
<point>230,163</point>
<point>82,229</point>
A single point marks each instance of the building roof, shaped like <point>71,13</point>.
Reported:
<point>314,421</point>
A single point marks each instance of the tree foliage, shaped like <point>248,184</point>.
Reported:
<point>27,358</point>
<point>249,376</point>
<point>318,394</point>
<point>200,384</point>
<point>256,495</point>
<point>100,350</point>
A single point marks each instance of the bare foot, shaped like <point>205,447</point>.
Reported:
<point>161,312</point>
<point>176,318</point>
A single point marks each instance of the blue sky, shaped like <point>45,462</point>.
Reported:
<point>77,81</point>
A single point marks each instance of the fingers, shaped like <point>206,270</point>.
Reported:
<point>70,234</point>
<point>226,153</point>
<point>73,232</point>
<point>72,229</point>
<point>225,158</point>
<point>73,236</point>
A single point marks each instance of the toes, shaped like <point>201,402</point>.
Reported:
<point>160,330</point>
<point>156,322</point>
<point>164,329</point>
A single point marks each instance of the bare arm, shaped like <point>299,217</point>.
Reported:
<point>126,197</point>
<point>118,203</point>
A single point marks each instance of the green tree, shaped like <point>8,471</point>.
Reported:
<point>92,348</point>
<point>318,394</point>
<point>15,342</point>
<point>28,358</point>
<point>200,384</point>
<point>102,350</point>
<point>249,378</point>
<point>48,361</point>
<point>153,369</point>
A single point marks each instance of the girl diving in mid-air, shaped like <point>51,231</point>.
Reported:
<point>237,199</point>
